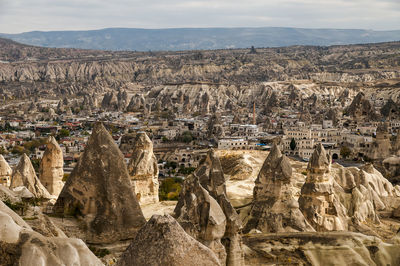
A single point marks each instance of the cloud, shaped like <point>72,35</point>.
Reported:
<point>27,15</point>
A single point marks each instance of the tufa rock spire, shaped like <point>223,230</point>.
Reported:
<point>24,175</point>
<point>143,170</point>
<point>51,167</point>
<point>318,201</point>
<point>212,178</point>
<point>162,241</point>
<point>5,172</point>
<point>99,190</point>
<point>201,216</point>
<point>275,208</point>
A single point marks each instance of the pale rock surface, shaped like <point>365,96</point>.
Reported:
<point>5,172</point>
<point>320,249</point>
<point>241,165</point>
<point>22,246</point>
<point>23,193</point>
<point>275,207</point>
<point>201,216</point>
<point>380,148</point>
<point>51,167</point>
<point>162,241</point>
<point>212,179</point>
<point>7,194</point>
<point>43,225</point>
<point>318,201</point>
<point>143,170</point>
<point>99,190</point>
<point>24,175</point>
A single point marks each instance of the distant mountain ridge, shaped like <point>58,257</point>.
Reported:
<point>133,39</point>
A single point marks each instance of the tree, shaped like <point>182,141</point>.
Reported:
<point>186,137</point>
<point>63,133</point>
<point>345,152</point>
<point>292,144</point>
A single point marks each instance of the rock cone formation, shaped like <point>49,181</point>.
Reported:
<point>5,172</point>
<point>381,147</point>
<point>318,202</point>
<point>143,170</point>
<point>212,178</point>
<point>275,208</point>
<point>162,241</point>
<point>51,167</point>
<point>99,190</point>
<point>24,175</point>
<point>201,216</point>
<point>361,109</point>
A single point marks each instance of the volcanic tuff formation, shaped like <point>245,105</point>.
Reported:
<point>51,167</point>
<point>212,178</point>
<point>143,170</point>
<point>5,172</point>
<point>318,202</point>
<point>275,207</point>
<point>201,216</point>
<point>162,241</point>
<point>20,245</point>
<point>317,248</point>
<point>381,146</point>
<point>99,190</point>
<point>24,175</point>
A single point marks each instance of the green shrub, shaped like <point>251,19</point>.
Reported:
<point>99,252</point>
<point>170,189</point>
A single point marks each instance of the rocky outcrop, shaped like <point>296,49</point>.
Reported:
<point>361,108</point>
<point>51,167</point>
<point>275,207</point>
<point>24,175</point>
<point>391,167</point>
<point>143,170</point>
<point>327,248</point>
<point>318,201</point>
<point>20,245</point>
<point>381,147</point>
<point>5,172</point>
<point>8,195</point>
<point>201,216</point>
<point>99,190</point>
<point>212,178</point>
<point>162,241</point>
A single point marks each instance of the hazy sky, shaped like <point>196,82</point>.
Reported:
<point>28,15</point>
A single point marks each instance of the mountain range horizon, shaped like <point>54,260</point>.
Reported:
<point>175,39</point>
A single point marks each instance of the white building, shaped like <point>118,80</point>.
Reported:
<point>232,144</point>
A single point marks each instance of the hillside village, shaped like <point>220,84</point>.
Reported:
<point>203,157</point>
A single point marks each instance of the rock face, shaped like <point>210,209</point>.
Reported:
<point>143,170</point>
<point>327,248</point>
<point>212,179</point>
<point>51,167</point>
<point>162,241</point>
<point>20,245</point>
<point>381,147</point>
<point>318,202</point>
<point>391,167</point>
<point>24,175</point>
<point>275,207</point>
<point>5,172</point>
<point>99,190</point>
<point>201,216</point>
<point>361,108</point>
